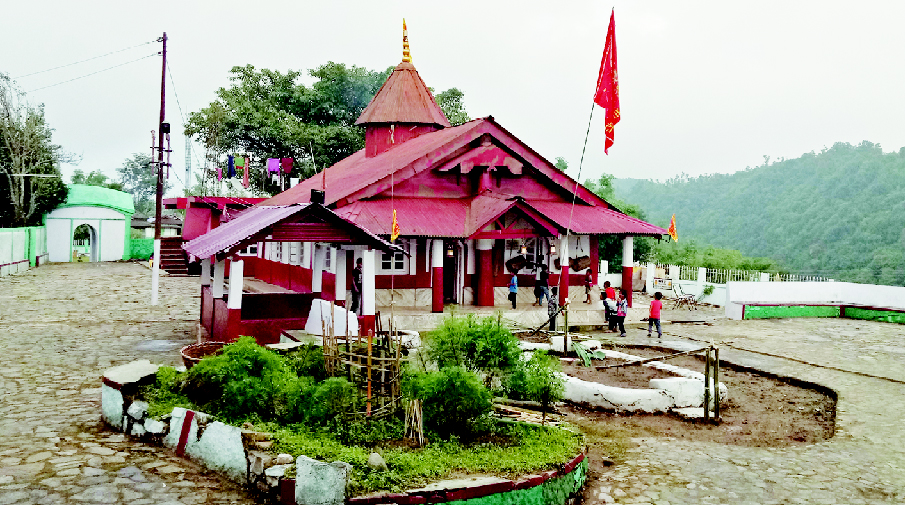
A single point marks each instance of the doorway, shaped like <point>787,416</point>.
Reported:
<point>450,273</point>
<point>85,245</point>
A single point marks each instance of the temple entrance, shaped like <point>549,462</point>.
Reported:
<point>84,244</point>
<point>450,273</point>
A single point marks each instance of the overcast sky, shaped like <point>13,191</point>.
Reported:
<point>705,86</point>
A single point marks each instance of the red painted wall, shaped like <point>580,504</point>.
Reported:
<point>197,222</point>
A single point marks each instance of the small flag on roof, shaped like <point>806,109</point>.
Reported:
<point>395,233</point>
<point>672,229</point>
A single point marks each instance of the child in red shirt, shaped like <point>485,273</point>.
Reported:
<point>654,317</point>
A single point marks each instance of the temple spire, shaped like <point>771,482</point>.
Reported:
<point>406,55</point>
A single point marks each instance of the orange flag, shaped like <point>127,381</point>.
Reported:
<point>672,229</point>
<point>395,233</point>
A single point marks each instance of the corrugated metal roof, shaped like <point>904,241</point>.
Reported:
<point>257,219</point>
<point>416,216</point>
<point>403,98</point>
<point>587,220</point>
<point>228,235</point>
<point>358,171</point>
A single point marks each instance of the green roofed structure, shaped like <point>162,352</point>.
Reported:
<point>106,212</point>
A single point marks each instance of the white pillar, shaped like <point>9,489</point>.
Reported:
<point>702,277</point>
<point>317,267</point>
<point>764,277</point>
<point>413,249</point>
<point>284,252</point>
<point>601,274</point>
<point>437,254</point>
<point>306,254</point>
<point>368,283</point>
<point>236,281</point>
<point>206,272</point>
<point>217,287</point>
<point>469,257</point>
<point>155,272</point>
<point>649,278</point>
<point>339,266</point>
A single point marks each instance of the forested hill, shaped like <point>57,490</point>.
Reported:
<point>838,213</point>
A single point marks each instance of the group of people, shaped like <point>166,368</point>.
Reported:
<point>615,310</point>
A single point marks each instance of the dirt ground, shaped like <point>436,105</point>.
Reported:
<point>759,411</point>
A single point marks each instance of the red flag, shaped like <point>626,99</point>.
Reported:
<point>672,229</point>
<point>395,233</point>
<point>607,95</point>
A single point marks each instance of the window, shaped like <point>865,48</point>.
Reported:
<point>396,262</point>
<point>328,259</point>
<point>295,250</point>
<point>251,250</point>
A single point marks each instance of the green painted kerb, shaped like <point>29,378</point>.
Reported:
<point>555,491</point>
<point>788,311</point>
<point>886,316</point>
<point>141,248</point>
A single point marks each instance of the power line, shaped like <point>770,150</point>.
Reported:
<point>182,115</point>
<point>83,61</point>
<point>92,73</point>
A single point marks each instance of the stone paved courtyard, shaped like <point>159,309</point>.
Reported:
<point>62,325</point>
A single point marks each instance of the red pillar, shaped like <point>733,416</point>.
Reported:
<point>437,276</point>
<point>484,249</point>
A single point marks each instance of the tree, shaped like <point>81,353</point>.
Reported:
<point>94,178</point>
<point>26,147</point>
<point>610,247</point>
<point>138,179</point>
<point>268,114</point>
<point>451,103</point>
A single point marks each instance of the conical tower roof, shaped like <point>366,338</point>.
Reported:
<point>404,98</point>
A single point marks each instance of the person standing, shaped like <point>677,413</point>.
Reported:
<point>621,312</point>
<point>513,289</point>
<point>588,281</point>
<point>356,286</point>
<point>654,316</point>
<point>552,308</point>
<point>543,285</point>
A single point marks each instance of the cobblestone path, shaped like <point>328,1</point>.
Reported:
<point>61,325</point>
<point>863,464</point>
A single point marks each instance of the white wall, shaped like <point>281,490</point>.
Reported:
<point>739,294</point>
<point>108,224</point>
<point>13,251</point>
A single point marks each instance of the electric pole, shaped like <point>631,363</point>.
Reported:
<point>164,129</point>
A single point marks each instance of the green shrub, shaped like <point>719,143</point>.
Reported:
<point>332,401</point>
<point>166,392</point>
<point>308,361</point>
<point>245,379</point>
<point>452,399</point>
<point>482,344</point>
<point>538,380</point>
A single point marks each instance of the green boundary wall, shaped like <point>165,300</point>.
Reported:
<point>886,316</point>
<point>141,248</point>
<point>788,311</point>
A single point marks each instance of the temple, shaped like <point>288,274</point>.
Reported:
<point>474,205</point>
<point>472,202</point>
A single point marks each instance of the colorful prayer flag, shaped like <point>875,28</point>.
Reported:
<point>219,174</point>
<point>245,182</point>
<point>230,167</point>
<point>607,94</point>
<point>395,233</point>
<point>287,165</point>
<point>240,161</point>
<point>273,165</point>
<point>672,229</point>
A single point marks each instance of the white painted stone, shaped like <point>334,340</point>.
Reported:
<point>220,448</point>
<point>138,429</point>
<point>131,372</point>
<point>684,392</point>
<point>321,311</point>
<point>319,483</point>
<point>275,473</point>
<point>112,406</point>
<point>591,345</point>
<point>138,410</point>
<point>376,462</point>
<point>690,412</point>
<point>283,459</point>
<point>659,365</point>
<point>534,346</point>
<point>154,426</point>
<point>608,397</point>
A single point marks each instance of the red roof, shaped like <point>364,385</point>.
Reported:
<point>261,220</point>
<point>403,98</point>
<point>447,217</point>
<point>210,201</point>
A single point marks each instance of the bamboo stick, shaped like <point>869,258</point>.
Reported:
<point>370,343</point>
<point>707,387</point>
<point>716,384</point>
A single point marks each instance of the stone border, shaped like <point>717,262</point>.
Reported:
<point>241,454</point>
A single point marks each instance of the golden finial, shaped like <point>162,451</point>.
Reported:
<point>406,55</point>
